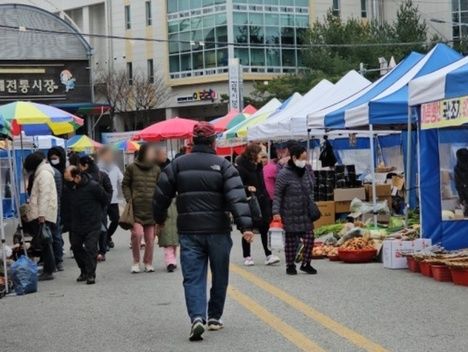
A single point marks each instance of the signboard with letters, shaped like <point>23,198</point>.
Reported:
<point>202,95</point>
<point>45,81</point>
<point>236,98</point>
<point>444,113</point>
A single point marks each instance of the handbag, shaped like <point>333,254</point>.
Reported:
<point>42,237</point>
<point>255,210</point>
<point>312,208</point>
<point>126,220</point>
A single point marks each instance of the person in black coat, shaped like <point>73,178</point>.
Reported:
<point>88,201</point>
<point>88,165</point>
<point>461,177</point>
<point>208,187</point>
<point>250,170</point>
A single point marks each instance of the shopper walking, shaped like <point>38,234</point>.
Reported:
<point>57,158</point>
<point>250,168</point>
<point>88,165</point>
<point>42,207</point>
<point>168,237</point>
<point>207,188</point>
<point>138,186</point>
<point>88,203</point>
<point>293,194</point>
<point>107,165</point>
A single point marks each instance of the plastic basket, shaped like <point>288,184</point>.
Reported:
<point>357,256</point>
<point>441,273</point>
<point>425,268</point>
<point>413,265</point>
<point>459,276</point>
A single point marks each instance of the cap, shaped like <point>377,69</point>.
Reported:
<point>204,129</point>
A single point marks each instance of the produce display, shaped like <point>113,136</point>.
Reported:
<point>358,243</point>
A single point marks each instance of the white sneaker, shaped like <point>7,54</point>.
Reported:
<point>136,268</point>
<point>272,259</point>
<point>149,269</point>
<point>249,261</point>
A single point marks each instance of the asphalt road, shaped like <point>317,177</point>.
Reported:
<point>344,308</point>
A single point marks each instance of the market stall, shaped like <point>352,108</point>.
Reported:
<point>440,105</point>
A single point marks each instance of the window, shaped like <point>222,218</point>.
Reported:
<point>130,73</point>
<point>364,8</point>
<point>128,23</point>
<point>336,8</point>
<point>150,70</point>
<point>149,18</point>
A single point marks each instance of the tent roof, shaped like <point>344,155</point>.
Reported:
<point>335,115</point>
<point>448,82</point>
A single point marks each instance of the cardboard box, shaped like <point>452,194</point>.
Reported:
<point>342,207</point>
<point>328,214</point>
<point>381,190</point>
<point>394,251</point>
<point>348,194</point>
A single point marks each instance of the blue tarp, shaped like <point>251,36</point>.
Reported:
<point>336,119</point>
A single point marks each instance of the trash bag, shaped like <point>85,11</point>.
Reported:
<point>24,276</point>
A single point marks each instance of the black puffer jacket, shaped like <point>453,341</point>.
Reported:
<point>88,201</point>
<point>208,188</point>
<point>252,175</point>
<point>293,192</point>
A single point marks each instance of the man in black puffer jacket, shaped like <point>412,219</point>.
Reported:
<point>208,188</point>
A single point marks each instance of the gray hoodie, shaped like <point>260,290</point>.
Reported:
<point>116,177</point>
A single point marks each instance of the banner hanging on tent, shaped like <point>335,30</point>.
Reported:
<point>444,113</point>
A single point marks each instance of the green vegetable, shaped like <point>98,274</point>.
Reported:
<point>323,230</point>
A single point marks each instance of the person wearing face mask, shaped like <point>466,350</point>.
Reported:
<point>293,191</point>
<point>57,158</point>
<point>88,202</point>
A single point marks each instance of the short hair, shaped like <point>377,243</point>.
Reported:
<point>251,151</point>
<point>33,160</point>
<point>87,160</point>
<point>296,150</point>
<point>142,152</point>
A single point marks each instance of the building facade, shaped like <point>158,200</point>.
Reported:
<point>190,42</point>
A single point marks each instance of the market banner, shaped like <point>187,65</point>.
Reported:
<point>444,113</point>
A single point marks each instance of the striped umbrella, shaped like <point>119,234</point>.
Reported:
<point>82,143</point>
<point>39,119</point>
<point>126,146</point>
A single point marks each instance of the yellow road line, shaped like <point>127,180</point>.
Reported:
<point>293,335</point>
<point>310,312</point>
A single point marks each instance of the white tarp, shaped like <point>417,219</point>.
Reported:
<point>270,129</point>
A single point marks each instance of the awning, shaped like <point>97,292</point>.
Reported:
<point>84,108</point>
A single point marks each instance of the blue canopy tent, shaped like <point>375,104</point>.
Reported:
<point>439,102</point>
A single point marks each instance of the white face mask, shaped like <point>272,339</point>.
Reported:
<point>55,161</point>
<point>300,163</point>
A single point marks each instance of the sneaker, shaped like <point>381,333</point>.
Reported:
<point>291,270</point>
<point>59,267</point>
<point>198,329</point>
<point>308,269</point>
<point>101,258</point>
<point>215,324</point>
<point>171,268</point>
<point>149,269</point>
<point>249,261</point>
<point>45,277</point>
<point>272,259</point>
<point>135,268</point>
<point>82,278</point>
<point>91,280</point>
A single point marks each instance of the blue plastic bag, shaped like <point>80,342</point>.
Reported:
<point>24,276</point>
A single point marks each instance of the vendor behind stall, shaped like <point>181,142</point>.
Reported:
<point>461,177</point>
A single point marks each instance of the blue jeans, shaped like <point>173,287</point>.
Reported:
<point>195,252</point>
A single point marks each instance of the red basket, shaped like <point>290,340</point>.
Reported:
<point>425,268</point>
<point>459,276</point>
<point>441,272</point>
<point>357,256</point>
<point>413,265</point>
<point>334,258</point>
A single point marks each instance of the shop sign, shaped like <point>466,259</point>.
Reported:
<point>236,97</point>
<point>45,81</point>
<point>444,113</point>
<point>202,95</point>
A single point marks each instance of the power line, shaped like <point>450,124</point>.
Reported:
<point>23,29</point>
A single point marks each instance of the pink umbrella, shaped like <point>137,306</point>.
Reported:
<point>176,128</point>
<point>249,110</point>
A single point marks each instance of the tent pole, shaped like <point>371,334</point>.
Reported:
<point>418,162</point>
<point>374,186</point>
<point>268,150</point>
<point>308,144</point>
<point>2,237</point>
<point>408,168</point>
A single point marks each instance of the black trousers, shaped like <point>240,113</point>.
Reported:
<point>45,246</point>
<point>263,229</point>
<point>85,248</point>
<point>114,215</point>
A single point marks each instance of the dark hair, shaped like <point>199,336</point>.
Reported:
<point>74,171</point>
<point>60,152</point>
<point>142,152</point>
<point>296,150</point>
<point>33,160</point>
<point>87,160</point>
<point>202,140</point>
<point>251,152</point>
<point>273,153</point>
<point>74,159</point>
